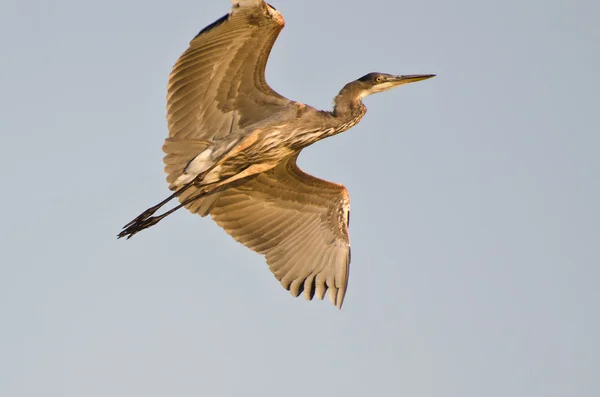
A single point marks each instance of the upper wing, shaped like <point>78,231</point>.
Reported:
<point>300,224</point>
<point>218,85</point>
<point>217,88</point>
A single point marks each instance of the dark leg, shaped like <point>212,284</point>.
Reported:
<point>145,220</point>
<point>146,214</point>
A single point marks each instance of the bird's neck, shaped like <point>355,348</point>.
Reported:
<point>348,108</point>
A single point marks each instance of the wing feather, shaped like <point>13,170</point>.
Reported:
<point>298,222</point>
<point>224,65</point>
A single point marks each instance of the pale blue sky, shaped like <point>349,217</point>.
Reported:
<point>475,217</point>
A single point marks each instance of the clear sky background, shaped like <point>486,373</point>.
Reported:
<point>475,207</point>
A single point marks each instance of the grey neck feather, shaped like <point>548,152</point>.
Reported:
<point>348,108</point>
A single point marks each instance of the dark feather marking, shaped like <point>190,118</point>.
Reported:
<point>213,25</point>
<point>368,77</point>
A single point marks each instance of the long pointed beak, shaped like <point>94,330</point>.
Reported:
<point>411,78</point>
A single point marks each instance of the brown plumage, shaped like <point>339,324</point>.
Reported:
<point>232,149</point>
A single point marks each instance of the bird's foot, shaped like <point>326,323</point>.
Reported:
<point>138,224</point>
<point>143,216</point>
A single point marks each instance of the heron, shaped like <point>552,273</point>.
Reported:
<point>233,146</point>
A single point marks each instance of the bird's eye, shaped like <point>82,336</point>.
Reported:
<point>379,79</point>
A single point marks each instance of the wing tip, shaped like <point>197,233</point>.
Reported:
<point>236,4</point>
<point>213,25</point>
<point>246,3</point>
<point>341,293</point>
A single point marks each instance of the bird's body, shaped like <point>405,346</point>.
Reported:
<point>232,149</point>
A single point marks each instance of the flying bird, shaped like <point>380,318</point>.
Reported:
<point>232,150</point>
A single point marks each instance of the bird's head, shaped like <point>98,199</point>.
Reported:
<point>373,83</point>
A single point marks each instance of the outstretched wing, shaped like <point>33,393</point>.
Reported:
<point>217,87</point>
<point>300,224</point>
